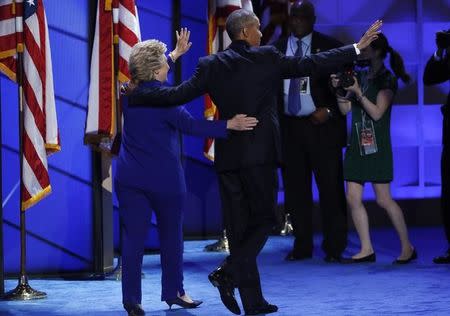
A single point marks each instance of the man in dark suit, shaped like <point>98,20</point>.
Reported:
<point>313,135</point>
<point>243,79</point>
<point>437,71</point>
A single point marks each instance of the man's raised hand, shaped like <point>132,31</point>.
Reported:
<point>370,35</point>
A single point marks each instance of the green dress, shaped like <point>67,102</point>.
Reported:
<point>376,167</point>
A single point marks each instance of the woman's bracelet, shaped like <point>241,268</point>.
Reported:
<point>359,98</point>
<point>171,57</point>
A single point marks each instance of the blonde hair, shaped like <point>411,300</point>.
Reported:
<point>146,57</point>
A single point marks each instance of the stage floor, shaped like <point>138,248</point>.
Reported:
<point>310,287</point>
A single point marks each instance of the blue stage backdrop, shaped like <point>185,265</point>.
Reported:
<point>60,227</point>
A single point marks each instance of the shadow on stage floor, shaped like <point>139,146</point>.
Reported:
<point>310,287</point>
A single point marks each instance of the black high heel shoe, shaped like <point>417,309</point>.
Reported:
<point>134,309</point>
<point>405,261</point>
<point>370,258</point>
<point>178,301</point>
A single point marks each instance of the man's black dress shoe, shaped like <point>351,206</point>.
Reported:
<point>370,258</point>
<point>134,309</point>
<point>264,309</point>
<point>292,256</point>
<point>178,301</point>
<point>444,259</point>
<point>405,261</point>
<point>224,284</point>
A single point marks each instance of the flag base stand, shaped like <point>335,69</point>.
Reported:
<point>23,292</point>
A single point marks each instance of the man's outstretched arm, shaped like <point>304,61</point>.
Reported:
<point>163,96</point>
<point>296,66</point>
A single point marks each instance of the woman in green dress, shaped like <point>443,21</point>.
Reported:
<point>369,156</point>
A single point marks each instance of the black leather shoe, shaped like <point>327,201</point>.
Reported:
<point>224,284</point>
<point>292,256</point>
<point>370,258</point>
<point>178,301</point>
<point>264,309</point>
<point>405,261</point>
<point>134,309</point>
<point>444,259</point>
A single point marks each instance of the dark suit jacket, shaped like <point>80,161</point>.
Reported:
<point>334,131</point>
<point>244,79</point>
<point>439,72</point>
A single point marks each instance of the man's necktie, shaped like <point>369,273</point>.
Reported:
<point>294,105</point>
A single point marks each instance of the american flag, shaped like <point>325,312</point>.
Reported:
<point>218,40</point>
<point>117,28</point>
<point>40,134</point>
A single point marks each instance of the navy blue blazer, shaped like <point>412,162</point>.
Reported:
<point>245,79</point>
<point>150,153</point>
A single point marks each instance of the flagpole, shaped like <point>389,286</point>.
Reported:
<point>23,290</point>
<point>118,138</point>
<point>115,147</point>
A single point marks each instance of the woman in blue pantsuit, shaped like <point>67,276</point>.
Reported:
<point>150,176</point>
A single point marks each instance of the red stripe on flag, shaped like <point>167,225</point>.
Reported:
<point>127,35</point>
<point>123,67</point>
<point>129,5</point>
<point>25,194</point>
<point>6,12</point>
<point>30,154</point>
<point>35,52</point>
<point>33,105</point>
<point>7,42</point>
<point>42,71</point>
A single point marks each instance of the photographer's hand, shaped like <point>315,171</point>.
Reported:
<point>355,88</point>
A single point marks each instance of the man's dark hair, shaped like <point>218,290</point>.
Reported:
<point>237,21</point>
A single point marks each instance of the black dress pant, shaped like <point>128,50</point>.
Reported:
<point>301,162</point>
<point>248,202</point>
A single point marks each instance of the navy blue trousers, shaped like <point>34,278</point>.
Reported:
<point>136,208</point>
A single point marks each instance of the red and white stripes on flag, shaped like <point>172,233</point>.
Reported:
<point>40,134</point>
<point>129,34</point>
<point>9,37</point>
<point>218,40</point>
<point>117,26</point>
